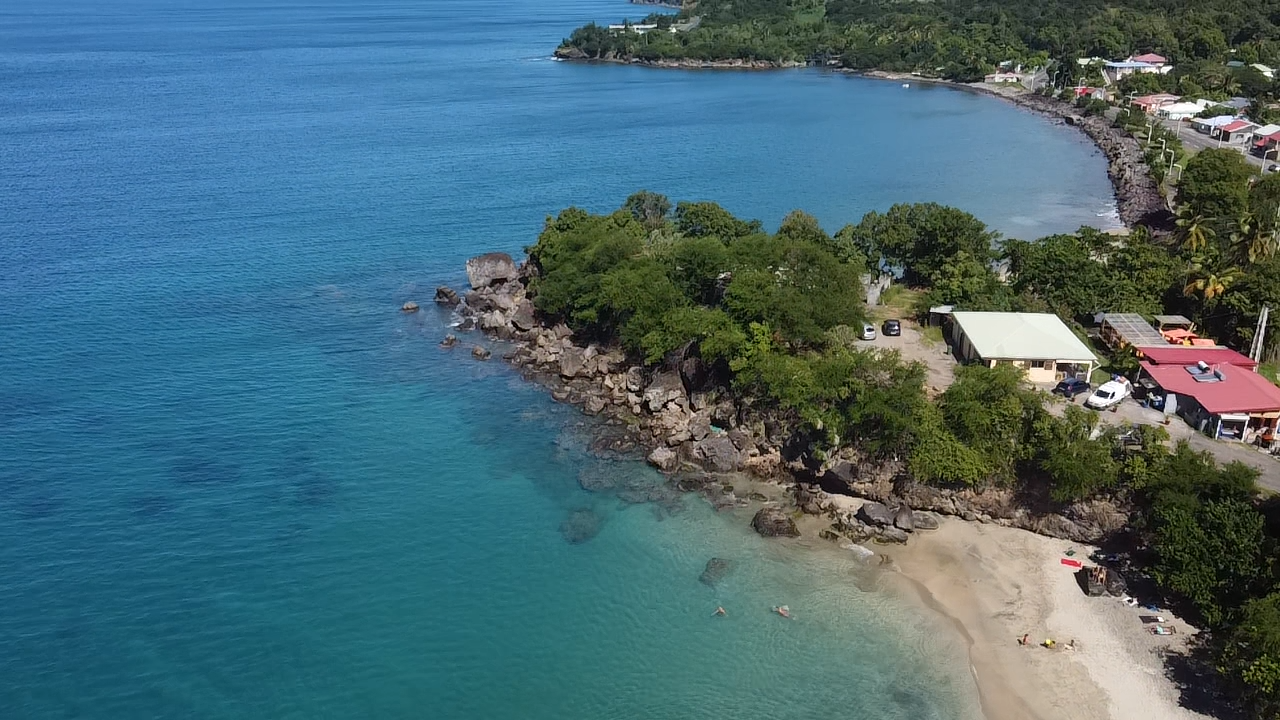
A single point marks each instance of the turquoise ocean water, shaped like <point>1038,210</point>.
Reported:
<point>235,482</point>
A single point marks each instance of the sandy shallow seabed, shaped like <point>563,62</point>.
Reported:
<point>997,583</point>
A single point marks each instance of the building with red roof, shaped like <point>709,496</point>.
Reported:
<point>1236,132</point>
<point>1225,400</point>
<point>1150,58</point>
<point>1184,355</point>
<point>1151,103</point>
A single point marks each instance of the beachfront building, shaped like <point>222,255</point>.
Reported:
<point>1039,343</point>
<point>1182,110</point>
<point>1219,398</point>
<point>1114,72</point>
<point>1149,104</point>
<point>1004,76</point>
<point>1206,126</point>
<point>1236,133</point>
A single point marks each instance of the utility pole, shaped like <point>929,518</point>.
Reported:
<point>1259,334</point>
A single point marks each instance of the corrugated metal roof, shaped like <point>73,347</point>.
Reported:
<point>1021,336</point>
<point>1237,390</point>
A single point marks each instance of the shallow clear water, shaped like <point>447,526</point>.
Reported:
<point>236,483</point>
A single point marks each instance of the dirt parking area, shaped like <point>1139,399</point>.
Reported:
<point>916,345</point>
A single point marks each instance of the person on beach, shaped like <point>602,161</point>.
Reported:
<point>1025,639</point>
<point>719,611</point>
<point>784,611</point>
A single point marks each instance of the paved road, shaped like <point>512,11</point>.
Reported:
<point>1268,466</point>
<point>1196,142</point>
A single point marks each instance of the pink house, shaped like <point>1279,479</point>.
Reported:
<point>1150,59</point>
<point>1151,103</point>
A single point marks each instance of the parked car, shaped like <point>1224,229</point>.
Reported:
<point>868,331</point>
<point>1109,394</point>
<point>1273,167</point>
<point>891,328</point>
<point>1071,387</point>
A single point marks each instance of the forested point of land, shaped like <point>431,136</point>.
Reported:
<point>777,319</point>
<point>957,40</point>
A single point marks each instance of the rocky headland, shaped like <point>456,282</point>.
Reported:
<point>704,439</point>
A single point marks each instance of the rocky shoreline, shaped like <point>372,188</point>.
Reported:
<point>702,437</point>
<point>576,55</point>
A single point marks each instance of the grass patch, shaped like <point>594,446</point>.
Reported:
<point>900,298</point>
<point>931,335</point>
<point>1270,371</point>
<point>1100,376</point>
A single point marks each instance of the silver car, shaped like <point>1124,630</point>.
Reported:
<point>868,331</point>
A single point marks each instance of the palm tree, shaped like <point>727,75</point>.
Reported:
<point>1209,284</point>
<point>1251,241</point>
<point>1194,231</point>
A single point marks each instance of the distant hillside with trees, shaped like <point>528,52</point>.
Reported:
<point>958,40</point>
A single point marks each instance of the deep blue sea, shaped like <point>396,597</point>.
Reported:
<point>236,483</point>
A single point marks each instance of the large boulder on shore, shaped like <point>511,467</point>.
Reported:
<point>486,270</point>
<point>523,319</point>
<point>717,453</point>
<point>666,387</point>
<point>664,458</point>
<point>874,513</point>
<point>903,519</point>
<point>572,363</point>
<point>773,522</point>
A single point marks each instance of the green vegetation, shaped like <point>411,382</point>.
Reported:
<point>964,39</point>
<point>776,316</point>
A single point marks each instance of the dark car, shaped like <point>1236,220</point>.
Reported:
<point>1071,387</point>
<point>891,328</point>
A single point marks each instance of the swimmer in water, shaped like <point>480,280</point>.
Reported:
<point>784,611</point>
<point>719,611</point>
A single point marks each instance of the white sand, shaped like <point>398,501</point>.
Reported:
<point>998,583</point>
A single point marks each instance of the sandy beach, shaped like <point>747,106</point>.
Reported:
<point>996,584</point>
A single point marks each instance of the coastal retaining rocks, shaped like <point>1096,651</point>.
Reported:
<point>573,53</point>
<point>1137,194</point>
<point>700,438</point>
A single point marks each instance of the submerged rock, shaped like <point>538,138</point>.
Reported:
<point>715,570</point>
<point>480,353</point>
<point>409,307</point>
<point>773,522</point>
<point>449,341</point>
<point>580,526</point>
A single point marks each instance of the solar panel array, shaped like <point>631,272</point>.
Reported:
<point>1134,330</point>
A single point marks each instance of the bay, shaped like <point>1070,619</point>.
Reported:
<point>235,482</point>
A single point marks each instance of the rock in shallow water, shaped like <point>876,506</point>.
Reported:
<point>715,570</point>
<point>485,270</point>
<point>773,522</point>
<point>480,353</point>
<point>409,307</point>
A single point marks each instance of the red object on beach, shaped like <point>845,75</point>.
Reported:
<point>1071,563</point>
